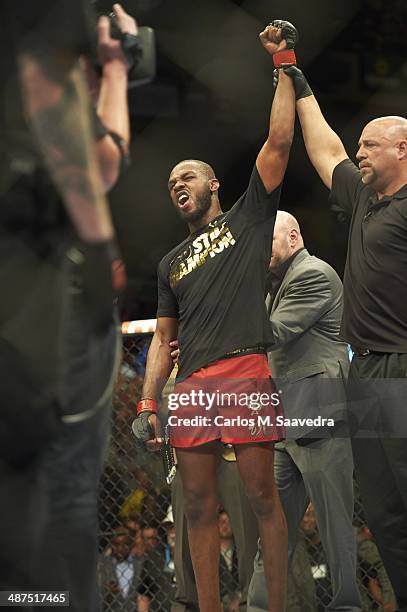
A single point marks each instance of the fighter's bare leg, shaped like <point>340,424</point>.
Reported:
<point>198,467</point>
<point>256,467</point>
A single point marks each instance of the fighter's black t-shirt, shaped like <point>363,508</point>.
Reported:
<point>214,281</point>
<point>375,280</point>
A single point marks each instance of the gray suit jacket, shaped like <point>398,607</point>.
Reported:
<point>307,359</point>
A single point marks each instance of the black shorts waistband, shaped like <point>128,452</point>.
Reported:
<point>250,350</point>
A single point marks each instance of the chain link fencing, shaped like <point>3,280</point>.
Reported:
<point>136,561</point>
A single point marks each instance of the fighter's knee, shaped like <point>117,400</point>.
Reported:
<point>200,510</point>
<point>262,500</point>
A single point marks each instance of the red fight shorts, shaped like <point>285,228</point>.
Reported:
<point>233,400</point>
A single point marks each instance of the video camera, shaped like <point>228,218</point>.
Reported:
<point>139,49</point>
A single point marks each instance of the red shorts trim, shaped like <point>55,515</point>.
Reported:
<point>232,400</point>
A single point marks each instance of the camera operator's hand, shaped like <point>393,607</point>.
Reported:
<point>111,49</point>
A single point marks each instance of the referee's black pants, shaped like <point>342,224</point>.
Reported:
<point>378,415</point>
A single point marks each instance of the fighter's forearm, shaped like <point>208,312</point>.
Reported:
<point>273,156</point>
<point>282,115</point>
<point>158,368</point>
<point>58,112</point>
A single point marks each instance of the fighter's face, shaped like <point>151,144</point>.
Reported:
<point>377,157</point>
<point>190,191</point>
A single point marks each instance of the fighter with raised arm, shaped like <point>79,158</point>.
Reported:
<point>211,295</point>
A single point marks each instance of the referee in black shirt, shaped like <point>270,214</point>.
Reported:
<point>375,311</point>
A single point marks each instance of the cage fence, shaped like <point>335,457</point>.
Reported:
<point>136,560</point>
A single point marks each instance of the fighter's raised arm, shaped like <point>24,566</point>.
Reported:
<point>324,147</point>
<point>278,38</point>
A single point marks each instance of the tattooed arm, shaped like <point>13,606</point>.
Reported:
<point>57,109</point>
<point>112,105</point>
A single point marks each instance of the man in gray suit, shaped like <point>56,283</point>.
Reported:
<point>308,362</point>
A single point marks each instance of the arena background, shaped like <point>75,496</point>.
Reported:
<point>211,100</point>
<point>135,502</point>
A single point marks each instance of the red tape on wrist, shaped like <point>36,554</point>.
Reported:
<point>147,404</point>
<point>284,58</point>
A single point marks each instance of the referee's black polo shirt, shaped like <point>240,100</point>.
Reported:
<point>375,280</point>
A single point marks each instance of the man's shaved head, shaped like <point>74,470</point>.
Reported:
<point>202,166</point>
<point>382,154</point>
<point>286,221</point>
<point>287,238</point>
<point>392,125</point>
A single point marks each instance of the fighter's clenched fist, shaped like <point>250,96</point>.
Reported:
<point>279,39</point>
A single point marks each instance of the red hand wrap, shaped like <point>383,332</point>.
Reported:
<point>147,404</point>
<point>284,58</point>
